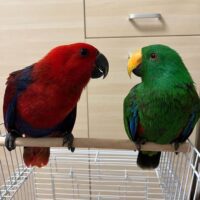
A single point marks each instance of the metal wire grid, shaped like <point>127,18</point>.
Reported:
<point>95,174</point>
<point>180,175</point>
<point>99,175</point>
<point>16,180</point>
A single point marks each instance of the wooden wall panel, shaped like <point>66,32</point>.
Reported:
<point>29,29</point>
<point>109,18</point>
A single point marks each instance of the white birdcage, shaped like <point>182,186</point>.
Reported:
<point>99,175</point>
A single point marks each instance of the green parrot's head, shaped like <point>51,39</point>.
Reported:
<point>157,62</point>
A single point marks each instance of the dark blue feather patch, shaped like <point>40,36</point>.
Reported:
<point>133,123</point>
<point>188,129</point>
<point>22,82</point>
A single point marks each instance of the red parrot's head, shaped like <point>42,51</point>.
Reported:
<point>75,62</point>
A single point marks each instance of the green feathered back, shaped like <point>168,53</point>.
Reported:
<point>166,97</point>
<point>166,100</point>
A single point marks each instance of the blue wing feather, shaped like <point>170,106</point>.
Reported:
<point>131,118</point>
<point>188,129</point>
<point>10,114</point>
<point>22,79</point>
<point>25,79</point>
<point>133,122</point>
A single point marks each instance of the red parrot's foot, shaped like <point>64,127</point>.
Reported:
<point>10,140</point>
<point>139,142</point>
<point>68,140</point>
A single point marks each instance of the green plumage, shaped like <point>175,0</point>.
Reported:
<point>166,100</point>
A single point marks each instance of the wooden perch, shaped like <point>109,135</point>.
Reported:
<point>96,143</point>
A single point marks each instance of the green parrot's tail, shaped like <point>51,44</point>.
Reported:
<point>146,161</point>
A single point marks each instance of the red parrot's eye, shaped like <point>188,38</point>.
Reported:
<point>153,56</point>
<point>84,52</point>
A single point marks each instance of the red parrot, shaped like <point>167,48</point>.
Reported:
<point>41,100</point>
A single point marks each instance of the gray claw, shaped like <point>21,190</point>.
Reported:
<point>176,147</point>
<point>10,141</point>
<point>68,141</point>
<point>139,142</point>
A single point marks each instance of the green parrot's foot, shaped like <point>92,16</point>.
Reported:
<point>10,140</point>
<point>176,146</point>
<point>68,141</point>
<point>139,142</point>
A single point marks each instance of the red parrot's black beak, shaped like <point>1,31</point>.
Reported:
<point>101,66</point>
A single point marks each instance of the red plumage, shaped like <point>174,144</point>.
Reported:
<point>47,93</point>
<point>59,79</point>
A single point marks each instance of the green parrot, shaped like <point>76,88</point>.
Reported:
<point>165,106</point>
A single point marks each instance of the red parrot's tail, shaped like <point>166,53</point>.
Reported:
<point>36,156</point>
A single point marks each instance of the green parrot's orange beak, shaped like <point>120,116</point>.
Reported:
<point>134,61</point>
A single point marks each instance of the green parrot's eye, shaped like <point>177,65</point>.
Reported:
<point>84,52</point>
<point>153,56</point>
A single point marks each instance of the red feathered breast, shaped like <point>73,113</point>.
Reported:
<point>45,107</point>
